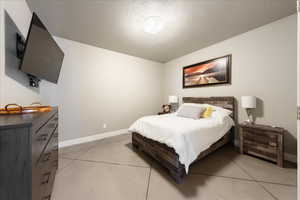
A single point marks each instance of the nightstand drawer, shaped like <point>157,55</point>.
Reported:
<point>259,132</point>
<point>260,147</point>
<point>260,138</point>
<point>261,152</point>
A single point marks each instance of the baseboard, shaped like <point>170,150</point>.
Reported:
<point>91,138</point>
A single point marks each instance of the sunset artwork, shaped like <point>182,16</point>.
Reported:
<point>215,71</point>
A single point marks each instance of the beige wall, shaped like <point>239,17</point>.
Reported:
<point>98,86</point>
<point>263,65</point>
<point>14,87</point>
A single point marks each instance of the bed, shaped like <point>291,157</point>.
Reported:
<point>173,159</point>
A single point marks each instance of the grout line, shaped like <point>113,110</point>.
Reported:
<point>229,177</point>
<point>147,193</point>
<point>282,184</point>
<point>243,179</point>
<point>267,191</point>
<point>61,169</point>
<point>259,183</point>
<point>111,163</point>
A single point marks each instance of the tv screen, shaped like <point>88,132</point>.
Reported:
<point>42,56</point>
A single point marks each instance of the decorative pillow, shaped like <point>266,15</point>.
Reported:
<point>189,111</point>
<point>208,111</point>
<point>222,110</point>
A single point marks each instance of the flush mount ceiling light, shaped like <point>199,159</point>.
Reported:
<point>153,24</point>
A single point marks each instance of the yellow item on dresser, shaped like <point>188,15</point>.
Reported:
<point>207,113</point>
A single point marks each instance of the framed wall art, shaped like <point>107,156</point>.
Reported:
<point>211,72</point>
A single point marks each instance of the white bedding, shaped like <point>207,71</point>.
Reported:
<point>189,137</point>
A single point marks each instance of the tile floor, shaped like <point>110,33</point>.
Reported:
<point>111,170</point>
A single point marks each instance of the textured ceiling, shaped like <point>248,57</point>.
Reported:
<point>189,25</point>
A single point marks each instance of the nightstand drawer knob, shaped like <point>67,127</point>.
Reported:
<point>273,144</point>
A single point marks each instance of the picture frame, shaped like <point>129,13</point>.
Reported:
<point>216,71</point>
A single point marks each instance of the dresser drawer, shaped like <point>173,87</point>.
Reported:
<point>41,138</point>
<point>47,167</point>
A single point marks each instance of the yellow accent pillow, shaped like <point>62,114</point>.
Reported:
<point>208,111</point>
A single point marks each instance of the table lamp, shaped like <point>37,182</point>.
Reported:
<point>249,103</point>
<point>173,101</point>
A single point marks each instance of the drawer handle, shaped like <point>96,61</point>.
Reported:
<point>46,178</point>
<point>273,144</point>
<point>43,137</point>
<point>47,157</point>
<point>48,197</point>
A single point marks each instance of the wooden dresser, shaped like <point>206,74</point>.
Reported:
<point>262,141</point>
<point>28,155</point>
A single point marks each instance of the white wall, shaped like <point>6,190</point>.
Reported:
<point>263,65</point>
<point>12,91</point>
<point>98,86</point>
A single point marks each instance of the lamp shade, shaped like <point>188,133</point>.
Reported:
<point>173,99</point>
<point>248,101</point>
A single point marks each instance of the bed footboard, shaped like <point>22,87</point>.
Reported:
<point>167,156</point>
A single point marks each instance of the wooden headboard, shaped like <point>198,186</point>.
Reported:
<point>224,102</point>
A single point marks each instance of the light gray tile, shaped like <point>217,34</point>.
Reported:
<point>204,187</point>
<point>94,181</point>
<point>219,164</point>
<point>73,152</point>
<point>117,151</point>
<point>281,192</point>
<point>265,171</point>
<point>62,163</point>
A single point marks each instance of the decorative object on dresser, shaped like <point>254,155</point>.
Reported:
<point>249,103</point>
<point>13,108</point>
<point>262,141</point>
<point>210,72</point>
<point>167,156</point>
<point>28,155</point>
<point>173,101</point>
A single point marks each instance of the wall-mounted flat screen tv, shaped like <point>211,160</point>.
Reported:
<point>42,56</point>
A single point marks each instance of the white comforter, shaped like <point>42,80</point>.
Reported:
<point>188,137</point>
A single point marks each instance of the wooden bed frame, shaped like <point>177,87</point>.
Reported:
<point>167,156</point>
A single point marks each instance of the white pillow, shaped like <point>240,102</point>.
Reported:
<point>222,110</point>
<point>221,117</point>
<point>215,108</point>
<point>190,111</point>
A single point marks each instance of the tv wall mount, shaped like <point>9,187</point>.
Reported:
<point>20,47</point>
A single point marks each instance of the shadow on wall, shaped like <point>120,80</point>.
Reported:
<point>258,112</point>
<point>289,139</point>
<point>12,63</point>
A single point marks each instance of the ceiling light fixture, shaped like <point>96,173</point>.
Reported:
<point>153,24</point>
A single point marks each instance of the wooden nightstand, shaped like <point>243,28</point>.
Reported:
<point>262,141</point>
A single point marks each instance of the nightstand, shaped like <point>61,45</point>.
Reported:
<point>262,141</point>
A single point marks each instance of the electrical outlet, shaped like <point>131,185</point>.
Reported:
<point>104,125</point>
